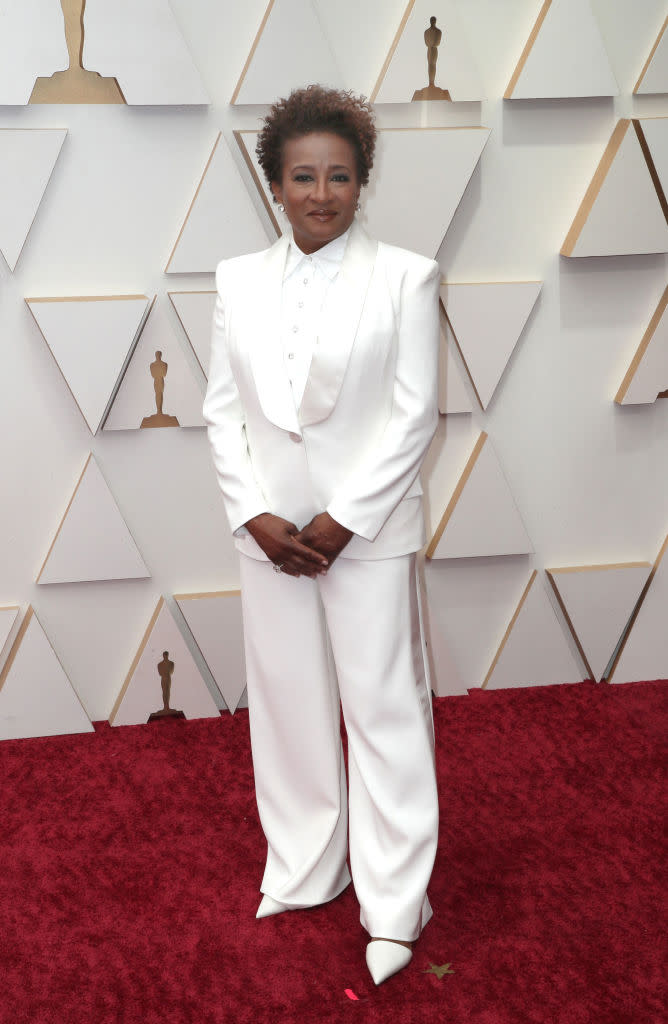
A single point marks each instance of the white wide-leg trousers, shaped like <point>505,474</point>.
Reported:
<point>362,616</point>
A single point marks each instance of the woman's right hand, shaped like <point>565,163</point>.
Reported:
<point>276,537</point>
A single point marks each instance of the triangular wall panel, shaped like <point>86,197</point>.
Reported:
<point>136,402</point>
<point>647,377</point>
<point>7,620</point>
<point>267,73</point>
<point>221,220</point>
<point>195,311</point>
<point>27,159</point>
<point>654,135</point>
<point>534,650</point>
<point>654,76</point>
<point>466,612</point>
<point>597,601</point>
<point>621,213</point>
<point>487,320</point>
<point>409,161</point>
<point>405,74</point>
<point>644,652</point>
<point>481,517</point>
<point>92,541</point>
<point>91,338</point>
<point>141,45</point>
<point>215,622</point>
<point>32,43</point>
<point>453,396</point>
<point>564,56</point>
<point>36,697</point>
<point>142,695</point>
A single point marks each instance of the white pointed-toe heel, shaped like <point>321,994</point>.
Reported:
<point>270,906</point>
<point>384,958</point>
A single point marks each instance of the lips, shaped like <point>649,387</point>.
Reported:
<point>322,214</point>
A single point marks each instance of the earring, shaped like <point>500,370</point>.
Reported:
<point>281,208</point>
<point>357,206</point>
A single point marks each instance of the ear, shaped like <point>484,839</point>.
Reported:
<point>276,191</point>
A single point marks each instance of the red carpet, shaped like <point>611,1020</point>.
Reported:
<point>130,860</point>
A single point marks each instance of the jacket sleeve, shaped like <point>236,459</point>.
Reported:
<point>384,476</point>
<point>226,426</point>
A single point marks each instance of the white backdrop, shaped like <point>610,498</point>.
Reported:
<point>589,477</point>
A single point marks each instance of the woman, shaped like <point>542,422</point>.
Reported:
<point>320,407</point>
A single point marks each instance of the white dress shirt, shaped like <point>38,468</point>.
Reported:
<point>306,280</point>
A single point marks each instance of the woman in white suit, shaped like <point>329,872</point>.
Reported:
<point>320,407</point>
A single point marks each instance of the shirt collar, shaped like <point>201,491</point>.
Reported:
<point>328,259</point>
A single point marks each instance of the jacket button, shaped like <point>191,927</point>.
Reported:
<point>297,438</point>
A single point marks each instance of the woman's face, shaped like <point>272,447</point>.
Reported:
<point>319,188</point>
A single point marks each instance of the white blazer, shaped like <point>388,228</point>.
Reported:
<point>355,444</point>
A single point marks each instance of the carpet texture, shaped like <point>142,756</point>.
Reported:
<point>130,861</point>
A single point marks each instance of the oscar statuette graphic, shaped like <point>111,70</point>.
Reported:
<point>432,39</point>
<point>166,671</point>
<point>159,419</point>
<point>76,85</point>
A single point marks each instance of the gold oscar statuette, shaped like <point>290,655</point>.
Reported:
<point>159,419</point>
<point>432,39</point>
<point>76,85</point>
<point>165,671</point>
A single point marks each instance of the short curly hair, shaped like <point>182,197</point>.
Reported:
<point>316,109</point>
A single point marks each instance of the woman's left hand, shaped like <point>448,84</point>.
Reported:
<point>324,534</point>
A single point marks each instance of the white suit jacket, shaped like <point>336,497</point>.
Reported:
<point>355,444</point>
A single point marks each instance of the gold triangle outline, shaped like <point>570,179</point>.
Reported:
<point>551,573</point>
<point>135,661</point>
<point>192,204</point>
<point>642,348</point>
<point>249,58</point>
<point>14,649</point>
<point>528,46</point>
<point>201,291</point>
<point>16,646</point>
<point>456,284</point>
<point>601,173</point>
<point>234,592</point>
<point>92,298</point>
<point>66,513</point>
<point>636,610</point>
<point>392,50</point>
<point>456,494</point>
<point>651,56</point>
<point>509,629</point>
<point>48,182</point>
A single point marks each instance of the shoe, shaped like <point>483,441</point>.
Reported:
<point>270,906</point>
<point>384,958</point>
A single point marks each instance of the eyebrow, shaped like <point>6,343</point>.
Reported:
<point>311,167</point>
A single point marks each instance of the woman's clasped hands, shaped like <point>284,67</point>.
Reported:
<point>307,552</point>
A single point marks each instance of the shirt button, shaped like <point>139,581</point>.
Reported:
<point>306,280</point>
<point>291,355</point>
<point>295,329</point>
<point>295,437</point>
<point>300,305</point>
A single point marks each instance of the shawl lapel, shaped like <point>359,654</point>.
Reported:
<point>266,356</point>
<point>339,320</point>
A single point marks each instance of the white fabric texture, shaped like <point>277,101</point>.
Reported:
<point>369,409</point>
<point>305,283</point>
<point>369,612</point>
<point>348,439</point>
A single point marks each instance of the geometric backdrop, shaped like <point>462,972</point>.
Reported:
<point>537,475</point>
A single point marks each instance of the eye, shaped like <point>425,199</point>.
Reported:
<point>302,177</point>
<point>341,176</point>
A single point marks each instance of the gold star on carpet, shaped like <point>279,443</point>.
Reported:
<point>439,971</point>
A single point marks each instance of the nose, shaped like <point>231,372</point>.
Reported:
<point>321,189</point>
